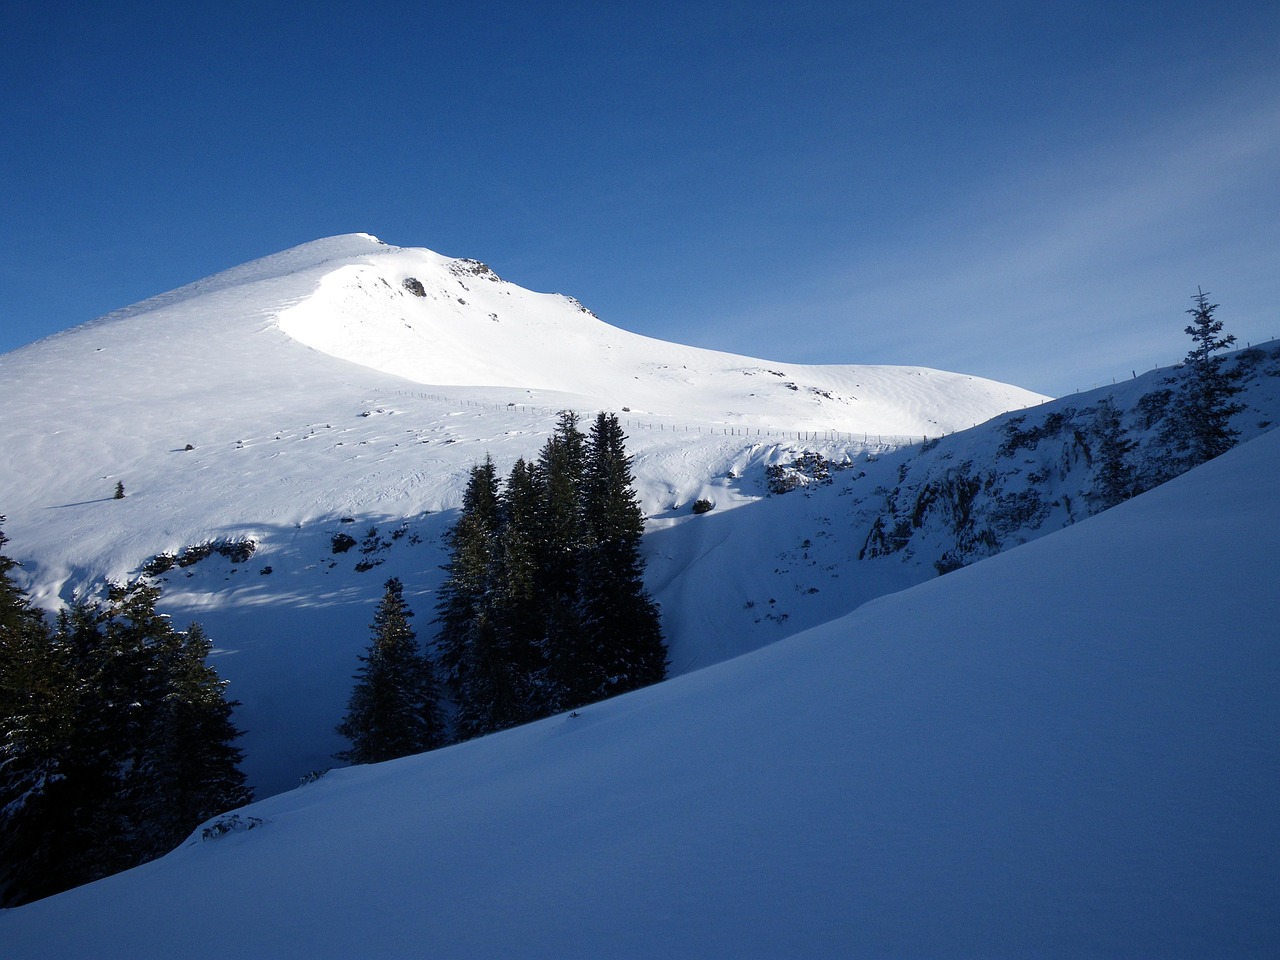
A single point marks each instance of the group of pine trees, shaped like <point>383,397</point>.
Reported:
<point>543,608</point>
<point>116,738</point>
<point>1196,420</point>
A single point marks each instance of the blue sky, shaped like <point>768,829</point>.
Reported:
<point>1029,192</point>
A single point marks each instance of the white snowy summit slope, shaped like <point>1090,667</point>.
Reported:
<point>347,386</point>
<point>457,323</point>
<point>1067,750</point>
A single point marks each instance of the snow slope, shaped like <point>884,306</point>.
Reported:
<point>468,327</point>
<point>1066,750</point>
<point>312,393</point>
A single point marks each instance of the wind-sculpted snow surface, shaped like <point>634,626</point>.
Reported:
<point>1066,750</point>
<point>317,393</point>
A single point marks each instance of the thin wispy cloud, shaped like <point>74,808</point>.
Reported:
<point>1103,245</point>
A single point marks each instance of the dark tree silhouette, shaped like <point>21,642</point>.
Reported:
<point>1204,408</point>
<point>394,708</point>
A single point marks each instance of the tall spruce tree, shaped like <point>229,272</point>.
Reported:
<point>618,614</point>
<point>463,594</point>
<point>394,709</point>
<point>517,606</point>
<point>1204,407</point>
<point>507,686</point>
<point>36,686</point>
<point>1116,477</point>
<point>199,773</point>
<point>41,793</point>
<point>560,537</point>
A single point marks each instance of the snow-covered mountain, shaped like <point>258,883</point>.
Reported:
<point>1069,749</point>
<point>346,386</point>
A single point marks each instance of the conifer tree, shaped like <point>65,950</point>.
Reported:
<point>1204,408</point>
<point>560,537</point>
<point>120,749</point>
<point>559,528</point>
<point>35,716</point>
<point>514,611</point>
<point>199,772</point>
<point>40,796</point>
<point>394,709</point>
<point>468,572</point>
<point>24,643</point>
<point>1116,475</point>
<point>493,694</point>
<point>516,606</point>
<point>14,607</point>
<point>618,614</point>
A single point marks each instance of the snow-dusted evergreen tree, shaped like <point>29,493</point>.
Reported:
<point>516,600</point>
<point>123,749</point>
<point>35,715</point>
<point>619,616</point>
<point>1200,428</point>
<point>505,684</point>
<point>394,709</point>
<point>467,574</point>
<point>560,536</point>
<point>14,606</point>
<point>199,774</point>
<point>39,796</point>
<point>1116,476</point>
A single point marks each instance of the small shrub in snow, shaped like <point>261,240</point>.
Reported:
<point>237,551</point>
<point>1250,357</point>
<point>808,468</point>
<point>194,554</point>
<point>947,563</point>
<point>703,506</point>
<point>781,479</point>
<point>232,823</point>
<point>342,542</point>
<point>372,543</point>
<point>157,565</point>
